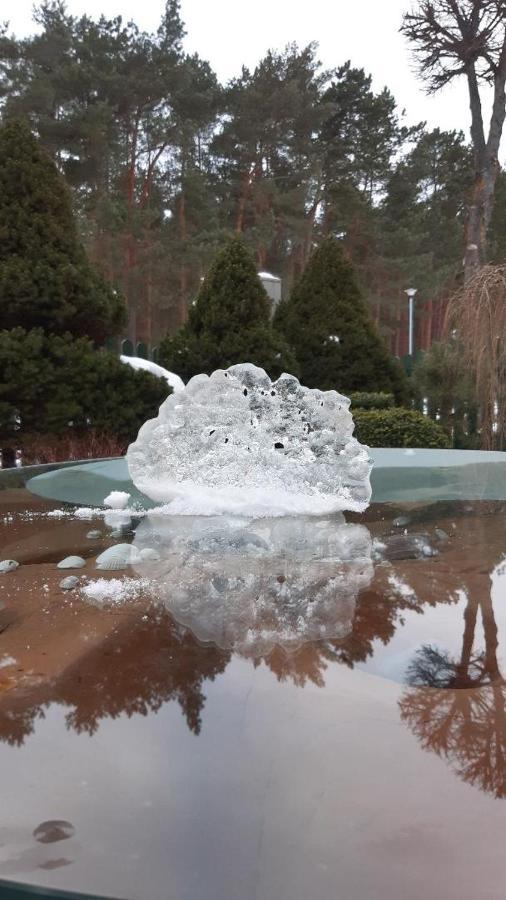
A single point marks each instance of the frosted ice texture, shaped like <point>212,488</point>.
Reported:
<point>251,585</point>
<point>235,442</point>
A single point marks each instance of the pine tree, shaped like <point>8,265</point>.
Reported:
<point>45,278</point>
<point>229,322</point>
<point>328,326</point>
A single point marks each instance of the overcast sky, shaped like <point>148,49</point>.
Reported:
<point>231,32</point>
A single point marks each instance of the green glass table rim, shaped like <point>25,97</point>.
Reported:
<point>13,890</point>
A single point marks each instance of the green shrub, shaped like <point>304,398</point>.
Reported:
<point>54,385</point>
<point>398,428</point>
<point>366,400</point>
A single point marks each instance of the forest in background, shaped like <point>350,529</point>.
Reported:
<point>164,163</point>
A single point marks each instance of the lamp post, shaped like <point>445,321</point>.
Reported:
<point>411,297</point>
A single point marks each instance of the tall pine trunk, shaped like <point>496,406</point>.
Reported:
<point>487,168</point>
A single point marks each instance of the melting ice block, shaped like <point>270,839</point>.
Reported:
<point>253,584</point>
<point>235,442</point>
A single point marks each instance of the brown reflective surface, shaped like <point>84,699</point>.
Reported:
<point>137,762</point>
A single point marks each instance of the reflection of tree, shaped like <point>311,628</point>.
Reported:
<point>457,707</point>
<point>420,583</point>
<point>376,618</point>
<point>148,664</point>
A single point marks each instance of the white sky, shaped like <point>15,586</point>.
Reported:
<point>231,32</point>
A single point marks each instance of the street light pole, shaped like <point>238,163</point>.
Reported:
<point>411,296</point>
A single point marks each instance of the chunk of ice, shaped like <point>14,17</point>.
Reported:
<point>235,442</point>
<point>117,499</point>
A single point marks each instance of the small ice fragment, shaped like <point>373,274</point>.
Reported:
<point>118,557</point>
<point>69,583</point>
<point>117,499</point>
<point>94,535</point>
<point>7,661</point>
<point>8,565</point>
<point>71,562</point>
<point>149,554</point>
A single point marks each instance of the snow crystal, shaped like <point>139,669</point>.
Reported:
<point>87,512</point>
<point>235,442</point>
<point>105,591</point>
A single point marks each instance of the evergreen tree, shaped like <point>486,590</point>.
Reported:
<point>327,323</point>
<point>229,322</point>
<point>54,385</point>
<point>45,278</point>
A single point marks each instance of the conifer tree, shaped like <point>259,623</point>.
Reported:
<point>45,278</point>
<point>229,322</point>
<point>327,324</point>
<point>55,385</point>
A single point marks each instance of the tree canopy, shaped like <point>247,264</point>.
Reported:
<point>163,163</point>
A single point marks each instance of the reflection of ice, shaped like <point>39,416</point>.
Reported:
<point>253,584</point>
<point>119,519</point>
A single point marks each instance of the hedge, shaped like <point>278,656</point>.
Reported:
<point>55,385</point>
<point>398,428</point>
<point>369,400</point>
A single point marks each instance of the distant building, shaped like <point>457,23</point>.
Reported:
<point>272,285</point>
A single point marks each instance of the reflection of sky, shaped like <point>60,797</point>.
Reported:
<point>279,797</point>
<point>440,626</point>
<point>498,578</point>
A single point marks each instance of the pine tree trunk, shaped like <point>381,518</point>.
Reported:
<point>486,156</point>
<point>491,640</point>
<point>480,213</point>
<point>131,251</point>
<point>470,616</point>
<point>183,272</point>
<point>428,342</point>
